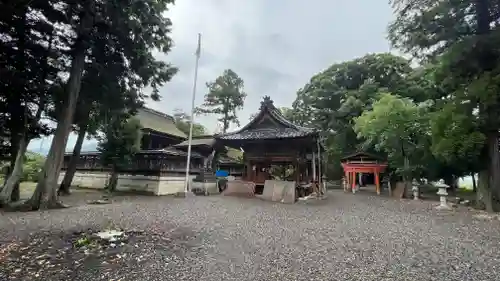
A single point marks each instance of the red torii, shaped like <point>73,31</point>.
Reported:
<point>362,162</point>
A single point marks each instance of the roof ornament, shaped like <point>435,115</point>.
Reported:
<point>267,103</point>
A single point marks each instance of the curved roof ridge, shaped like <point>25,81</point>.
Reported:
<point>268,107</point>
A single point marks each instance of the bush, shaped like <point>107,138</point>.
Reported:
<point>33,164</point>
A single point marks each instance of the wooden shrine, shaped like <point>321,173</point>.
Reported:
<point>361,163</point>
<point>268,141</point>
<point>160,153</point>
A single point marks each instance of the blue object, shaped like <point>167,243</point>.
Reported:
<point>221,173</point>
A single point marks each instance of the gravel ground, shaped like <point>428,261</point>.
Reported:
<point>345,237</point>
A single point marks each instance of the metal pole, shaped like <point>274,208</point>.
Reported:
<point>190,138</point>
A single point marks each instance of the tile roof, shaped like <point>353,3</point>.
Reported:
<point>196,141</point>
<point>167,151</point>
<point>266,133</point>
<point>171,151</point>
<point>159,122</point>
<point>285,128</point>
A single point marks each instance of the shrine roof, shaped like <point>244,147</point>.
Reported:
<point>151,119</point>
<point>269,123</point>
<point>167,151</point>
<point>171,151</point>
<point>198,141</point>
<point>362,154</point>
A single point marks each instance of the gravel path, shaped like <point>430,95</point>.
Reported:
<point>345,237</point>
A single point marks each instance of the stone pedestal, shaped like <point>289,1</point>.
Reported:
<point>443,204</point>
<point>205,184</point>
<point>415,190</point>
<point>240,188</point>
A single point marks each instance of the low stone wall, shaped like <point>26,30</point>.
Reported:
<point>157,185</point>
<point>207,188</point>
<point>93,179</point>
<point>279,191</point>
<point>240,188</point>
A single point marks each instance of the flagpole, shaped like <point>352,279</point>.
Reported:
<point>190,138</point>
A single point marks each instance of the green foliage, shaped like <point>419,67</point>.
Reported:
<point>106,47</point>
<point>334,97</point>
<point>429,27</point>
<point>183,123</point>
<point>398,127</point>
<point>225,96</point>
<point>32,166</point>
<point>120,142</point>
<point>460,38</point>
<point>455,135</point>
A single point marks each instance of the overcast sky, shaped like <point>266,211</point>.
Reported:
<point>274,46</point>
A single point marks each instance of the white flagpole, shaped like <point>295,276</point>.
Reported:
<point>190,138</point>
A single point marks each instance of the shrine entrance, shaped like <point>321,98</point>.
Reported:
<point>278,155</point>
<point>357,166</point>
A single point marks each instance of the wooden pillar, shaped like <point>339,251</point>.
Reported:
<point>249,175</point>
<point>150,141</point>
<point>314,165</point>
<point>353,184</point>
<point>306,171</point>
<point>347,180</point>
<point>296,170</point>
<point>377,182</point>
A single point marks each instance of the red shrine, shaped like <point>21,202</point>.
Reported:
<point>360,163</point>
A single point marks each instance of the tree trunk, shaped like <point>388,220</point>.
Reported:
<point>17,128</point>
<point>494,170</point>
<point>474,186</point>
<point>483,194</point>
<point>113,181</point>
<point>451,181</point>
<point>15,141</point>
<point>407,175</point>
<point>225,123</point>
<point>45,195</point>
<point>15,175</point>
<point>64,188</point>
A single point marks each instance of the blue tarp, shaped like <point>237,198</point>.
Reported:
<point>221,173</point>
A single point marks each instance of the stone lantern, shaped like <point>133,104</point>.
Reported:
<point>442,192</point>
<point>415,190</point>
<point>323,181</point>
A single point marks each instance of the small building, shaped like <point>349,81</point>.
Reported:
<point>276,151</point>
<point>160,167</point>
<point>362,166</point>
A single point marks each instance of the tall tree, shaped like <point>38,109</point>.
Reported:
<point>464,36</point>
<point>113,27</point>
<point>225,96</point>
<point>119,144</point>
<point>183,123</point>
<point>31,44</point>
<point>101,92</point>
<point>399,128</point>
<point>334,97</point>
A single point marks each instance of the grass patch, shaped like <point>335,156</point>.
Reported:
<point>26,189</point>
